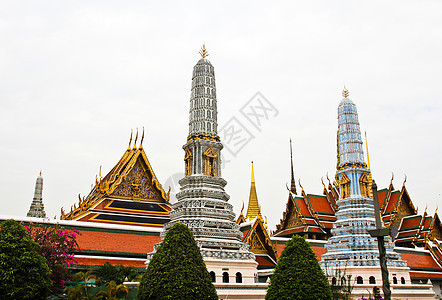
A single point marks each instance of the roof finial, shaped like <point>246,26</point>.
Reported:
<point>366,147</point>
<point>253,174</point>
<point>345,92</point>
<point>253,209</point>
<point>40,173</point>
<point>130,140</point>
<point>203,51</point>
<point>136,138</point>
<point>293,185</point>
<point>142,138</point>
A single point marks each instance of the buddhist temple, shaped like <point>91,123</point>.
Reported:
<point>127,212</point>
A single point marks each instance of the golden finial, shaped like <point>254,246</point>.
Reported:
<point>130,140</point>
<point>242,208</point>
<point>136,138</point>
<point>345,92</point>
<point>203,51</point>
<point>99,173</point>
<point>142,138</point>
<point>405,180</point>
<point>366,147</point>
<point>253,174</point>
<point>40,173</point>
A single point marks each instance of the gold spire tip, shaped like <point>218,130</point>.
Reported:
<point>253,174</point>
<point>136,138</point>
<point>203,51</point>
<point>345,92</point>
<point>142,138</point>
<point>130,140</point>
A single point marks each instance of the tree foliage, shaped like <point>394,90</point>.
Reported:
<point>297,275</point>
<point>118,274</point>
<point>24,273</point>
<point>177,270</point>
<point>57,245</point>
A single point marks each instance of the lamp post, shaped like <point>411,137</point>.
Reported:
<point>379,233</point>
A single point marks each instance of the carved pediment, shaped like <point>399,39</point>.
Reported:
<point>138,185</point>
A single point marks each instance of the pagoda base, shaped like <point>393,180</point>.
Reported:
<point>247,268</point>
<point>403,289</point>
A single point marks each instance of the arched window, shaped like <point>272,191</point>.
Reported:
<point>226,277</point>
<point>359,280</point>
<point>372,280</point>
<point>334,281</point>
<point>343,281</point>
<point>394,280</point>
<point>402,280</point>
<point>212,276</point>
<point>238,277</point>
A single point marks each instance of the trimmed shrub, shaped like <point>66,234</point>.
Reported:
<point>177,269</point>
<point>297,275</point>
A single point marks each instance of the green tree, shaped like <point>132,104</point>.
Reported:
<point>119,273</point>
<point>177,270</point>
<point>24,273</point>
<point>297,275</point>
<point>114,292</point>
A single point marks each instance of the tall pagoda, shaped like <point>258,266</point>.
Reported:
<point>202,203</point>
<point>352,254</point>
<point>37,209</point>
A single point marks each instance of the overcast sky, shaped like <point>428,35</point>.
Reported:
<point>76,76</point>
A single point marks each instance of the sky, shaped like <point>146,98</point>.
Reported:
<point>77,76</point>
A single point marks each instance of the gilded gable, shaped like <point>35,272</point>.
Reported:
<point>138,185</point>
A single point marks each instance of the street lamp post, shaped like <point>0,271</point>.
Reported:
<point>380,232</point>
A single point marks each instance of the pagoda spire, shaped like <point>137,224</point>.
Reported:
<point>292,185</point>
<point>253,209</point>
<point>37,208</point>
<point>203,103</point>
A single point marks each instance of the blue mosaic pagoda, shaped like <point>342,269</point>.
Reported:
<point>351,244</point>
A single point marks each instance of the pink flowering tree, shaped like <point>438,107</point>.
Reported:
<point>58,246</point>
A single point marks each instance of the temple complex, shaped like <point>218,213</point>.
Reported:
<point>127,213</point>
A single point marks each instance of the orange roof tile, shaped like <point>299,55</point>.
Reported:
<point>117,242</point>
<point>320,204</point>
<point>394,197</point>
<point>419,260</point>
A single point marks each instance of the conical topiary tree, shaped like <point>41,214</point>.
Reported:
<point>297,275</point>
<point>177,269</point>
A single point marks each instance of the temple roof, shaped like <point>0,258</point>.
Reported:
<point>129,194</point>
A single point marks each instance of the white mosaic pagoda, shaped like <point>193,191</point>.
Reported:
<point>351,251</point>
<point>37,209</point>
<point>202,203</point>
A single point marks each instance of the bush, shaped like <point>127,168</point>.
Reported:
<point>57,246</point>
<point>24,273</point>
<point>177,270</point>
<point>297,275</point>
<point>118,274</point>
